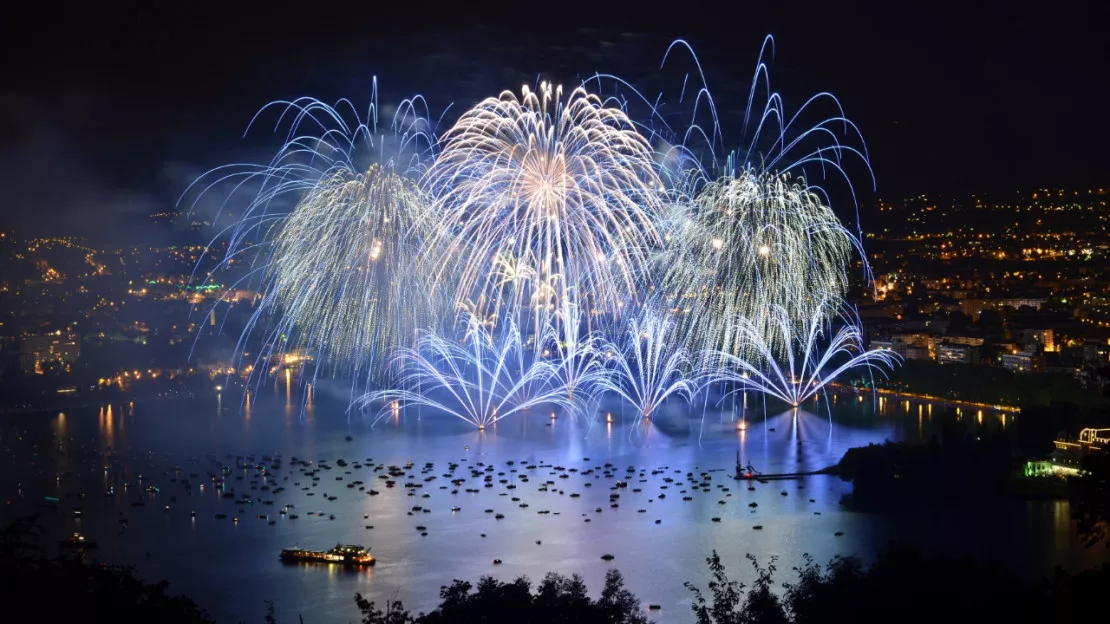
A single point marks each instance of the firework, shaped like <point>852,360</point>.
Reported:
<point>482,380</point>
<point>753,243</point>
<point>649,366</point>
<point>330,245</point>
<point>542,199</point>
<point>341,273</point>
<point>808,365</point>
<point>548,219</point>
<point>572,347</point>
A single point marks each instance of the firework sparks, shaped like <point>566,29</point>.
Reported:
<point>551,212</point>
<point>572,348</point>
<point>341,272</point>
<point>648,367</point>
<point>808,367</point>
<point>335,270</point>
<point>754,243</point>
<point>542,198</point>
<point>481,381</point>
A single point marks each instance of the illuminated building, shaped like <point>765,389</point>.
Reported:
<point>1022,362</point>
<point>35,350</point>
<point>1043,337</point>
<point>951,353</point>
<point>972,307</point>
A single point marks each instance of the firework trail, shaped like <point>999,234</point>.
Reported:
<point>808,367</point>
<point>328,243</point>
<point>746,229</point>
<point>754,243</point>
<point>341,274</point>
<point>553,213</point>
<point>572,347</point>
<point>481,381</point>
<point>649,366</point>
<point>542,199</point>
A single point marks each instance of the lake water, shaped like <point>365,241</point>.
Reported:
<point>231,568</point>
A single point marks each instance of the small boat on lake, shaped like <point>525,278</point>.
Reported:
<point>77,542</point>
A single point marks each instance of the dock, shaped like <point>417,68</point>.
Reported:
<point>748,473</point>
<point>783,476</point>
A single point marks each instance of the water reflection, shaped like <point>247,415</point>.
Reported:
<point>288,389</point>
<point>706,438</point>
<point>106,428</point>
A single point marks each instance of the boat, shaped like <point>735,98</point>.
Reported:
<point>1066,458</point>
<point>77,542</point>
<point>350,555</point>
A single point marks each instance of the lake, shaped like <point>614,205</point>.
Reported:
<point>658,539</point>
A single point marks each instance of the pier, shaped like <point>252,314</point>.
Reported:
<point>748,473</point>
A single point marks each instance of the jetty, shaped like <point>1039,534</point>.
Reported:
<point>749,473</point>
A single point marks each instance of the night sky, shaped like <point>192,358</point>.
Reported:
<point>108,113</point>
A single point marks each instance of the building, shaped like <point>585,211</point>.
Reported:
<point>917,353</point>
<point>1096,352</point>
<point>1022,362</point>
<point>972,307</point>
<point>1043,337</point>
<point>1023,302</point>
<point>971,341</point>
<point>58,347</point>
<point>950,353</point>
<point>911,346</point>
<point>887,345</point>
<point>915,346</point>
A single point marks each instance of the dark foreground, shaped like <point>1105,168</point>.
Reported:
<point>901,585</point>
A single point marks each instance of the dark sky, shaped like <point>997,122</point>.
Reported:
<point>106,113</point>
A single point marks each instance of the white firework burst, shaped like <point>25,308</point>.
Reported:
<point>817,351</point>
<point>543,198</point>
<point>648,367</point>
<point>481,380</point>
<point>753,243</point>
<point>341,275</point>
<point>329,244</point>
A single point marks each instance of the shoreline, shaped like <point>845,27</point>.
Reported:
<point>22,411</point>
<point>843,389</point>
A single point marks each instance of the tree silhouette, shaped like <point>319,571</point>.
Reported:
<point>1091,495</point>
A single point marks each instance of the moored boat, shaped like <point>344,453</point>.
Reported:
<point>77,542</point>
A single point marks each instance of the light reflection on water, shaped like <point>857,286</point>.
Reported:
<point>233,568</point>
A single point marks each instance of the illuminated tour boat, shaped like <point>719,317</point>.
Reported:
<point>341,554</point>
<point>1064,461</point>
